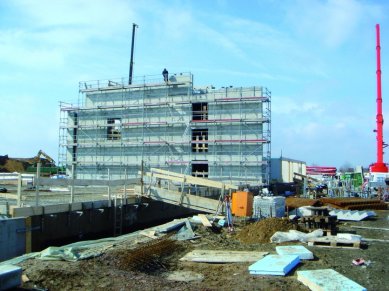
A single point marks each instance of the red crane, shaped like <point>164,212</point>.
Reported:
<point>379,166</point>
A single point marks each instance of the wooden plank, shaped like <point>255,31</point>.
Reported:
<point>194,180</point>
<point>368,227</point>
<point>375,240</point>
<point>189,201</point>
<point>220,256</point>
<point>204,220</point>
<point>333,242</point>
<point>28,234</point>
<point>149,234</point>
<point>86,182</point>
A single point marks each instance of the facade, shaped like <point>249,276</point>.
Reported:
<point>223,134</point>
<point>283,169</point>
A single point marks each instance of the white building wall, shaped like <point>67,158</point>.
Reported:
<point>155,125</point>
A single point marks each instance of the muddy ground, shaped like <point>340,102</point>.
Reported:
<point>148,267</point>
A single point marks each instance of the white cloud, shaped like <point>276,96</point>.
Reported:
<point>330,22</point>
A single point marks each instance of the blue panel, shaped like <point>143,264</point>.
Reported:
<point>274,265</point>
<point>10,276</point>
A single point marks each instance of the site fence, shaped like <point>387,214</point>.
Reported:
<point>28,190</point>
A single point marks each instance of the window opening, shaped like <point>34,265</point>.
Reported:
<point>200,111</point>
<point>199,140</point>
<point>113,129</point>
<point>200,169</point>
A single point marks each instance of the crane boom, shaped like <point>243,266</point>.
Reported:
<point>379,166</point>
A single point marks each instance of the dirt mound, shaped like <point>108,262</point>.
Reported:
<point>261,231</point>
<point>9,165</point>
<point>148,258</point>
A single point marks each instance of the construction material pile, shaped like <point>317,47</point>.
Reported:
<point>354,203</point>
<point>261,231</point>
<point>296,202</point>
<point>148,258</point>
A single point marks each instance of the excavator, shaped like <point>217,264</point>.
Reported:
<point>48,166</point>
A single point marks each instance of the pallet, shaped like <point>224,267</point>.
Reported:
<point>333,242</point>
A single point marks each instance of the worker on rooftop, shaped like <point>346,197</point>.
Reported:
<point>165,75</point>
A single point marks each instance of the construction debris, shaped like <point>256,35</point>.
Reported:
<point>354,203</point>
<point>148,257</point>
<point>204,220</point>
<point>295,235</point>
<point>296,202</point>
<point>353,215</point>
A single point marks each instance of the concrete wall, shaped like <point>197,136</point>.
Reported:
<point>12,238</point>
<point>283,169</point>
<point>66,227</point>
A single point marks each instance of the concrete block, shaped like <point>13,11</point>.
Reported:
<point>275,265</point>
<point>10,276</point>
<point>327,280</point>
<point>12,238</point>
<point>297,250</point>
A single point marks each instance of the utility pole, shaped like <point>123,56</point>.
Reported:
<point>132,53</point>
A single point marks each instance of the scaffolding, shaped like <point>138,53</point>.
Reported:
<point>223,134</point>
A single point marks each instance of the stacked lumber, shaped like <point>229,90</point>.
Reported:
<point>295,202</point>
<point>354,203</point>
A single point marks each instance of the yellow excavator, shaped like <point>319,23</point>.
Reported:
<point>48,166</point>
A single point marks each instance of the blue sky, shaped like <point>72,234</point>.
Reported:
<point>316,57</point>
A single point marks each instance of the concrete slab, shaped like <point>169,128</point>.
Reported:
<point>297,250</point>
<point>10,276</point>
<point>327,280</point>
<point>274,265</point>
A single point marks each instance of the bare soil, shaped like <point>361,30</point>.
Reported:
<point>150,265</point>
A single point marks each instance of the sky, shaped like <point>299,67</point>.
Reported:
<point>317,57</point>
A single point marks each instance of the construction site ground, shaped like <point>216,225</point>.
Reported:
<point>143,263</point>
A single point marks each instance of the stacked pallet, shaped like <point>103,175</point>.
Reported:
<point>354,203</point>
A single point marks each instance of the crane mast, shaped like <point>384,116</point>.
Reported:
<point>379,166</point>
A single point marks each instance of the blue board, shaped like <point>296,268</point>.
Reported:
<point>10,276</point>
<point>274,265</point>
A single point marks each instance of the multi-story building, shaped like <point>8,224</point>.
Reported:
<point>223,134</point>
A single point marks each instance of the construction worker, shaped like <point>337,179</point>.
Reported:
<point>165,75</point>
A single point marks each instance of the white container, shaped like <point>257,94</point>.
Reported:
<point>271,206</point>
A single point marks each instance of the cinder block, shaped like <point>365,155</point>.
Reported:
<point>10,276</point>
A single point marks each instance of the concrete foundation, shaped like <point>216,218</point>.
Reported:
<point>12,238</point>
<point>36,232</point>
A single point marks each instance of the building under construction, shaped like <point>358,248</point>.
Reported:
<point>117,128</point>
